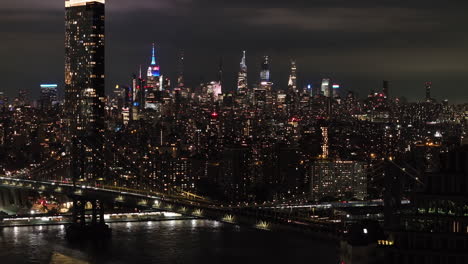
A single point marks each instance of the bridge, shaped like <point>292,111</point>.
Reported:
<point>260,217</point>
<point>106,192</point>
<point>114,189</point>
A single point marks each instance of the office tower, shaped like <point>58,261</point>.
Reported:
<point>265,83</point>
<point>48,96</point>
<point>325,88</point>
<point>220,72</point>
<point>336,90</point>
<point>265,70</point>
<point>428,91</point>
<point>84,64</point>
<point>138,89</point>
<point>242,84</point>
<point>181,66</point>
<point>292,83</point>
<point>385,89</point>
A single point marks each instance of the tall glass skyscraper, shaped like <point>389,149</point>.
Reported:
<point>265,70</point>
<point>84,64</point>
<point>242,77</point>
<point>292,82</point>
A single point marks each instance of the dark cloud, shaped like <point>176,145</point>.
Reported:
<point>358,43</point>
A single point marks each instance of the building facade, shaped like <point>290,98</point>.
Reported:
<point>338,179</point>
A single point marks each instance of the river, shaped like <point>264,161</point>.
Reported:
<point>171,242</point>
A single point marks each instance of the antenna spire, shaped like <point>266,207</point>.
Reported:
<point>153,57</point>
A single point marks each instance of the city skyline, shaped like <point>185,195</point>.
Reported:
<point>348,51</point>
<point>252,117</point>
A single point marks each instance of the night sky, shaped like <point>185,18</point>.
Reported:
<point>357,43</point>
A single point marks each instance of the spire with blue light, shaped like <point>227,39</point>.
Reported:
<point>153,57</point>
<point>153,69</point>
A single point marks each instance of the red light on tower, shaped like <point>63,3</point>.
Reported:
<point>214,115</point>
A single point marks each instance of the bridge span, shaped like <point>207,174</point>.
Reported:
<point>255,217</point>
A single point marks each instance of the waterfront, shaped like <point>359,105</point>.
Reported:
<point>175,241</point>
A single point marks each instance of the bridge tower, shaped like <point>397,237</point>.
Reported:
<point>96,228</point>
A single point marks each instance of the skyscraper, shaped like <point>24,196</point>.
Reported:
<point>84,64</point>
<point>385,89</point>
<point>84,85</point>
<point>48,96</point>
<point>265,82</point>
<point>153,73</point>
<point>325,88</point>
<point>292,83</point>
<point>180,73</point>
<point>154,82</point>
<point>265,72</point>
<point>220,77</point>
<point>242,85</point>
<point>428,91</point>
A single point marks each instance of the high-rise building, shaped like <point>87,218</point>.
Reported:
<point>48,96</point>
<point>84,64</point>
<point>385,89</point>
<point>153,73</point>
<point>292,83</point>
<point>336,90</point>
<point>154,82</point>
<point>265,70</point>
<point>428,91</point>
<point>338,179</point>
<point>84,85</point>
<point>138,90</point>
<point>325,88</point>
<point>265,82</point>
<point>220,77</point>
<point>181,66</point>
<point>242,84</point>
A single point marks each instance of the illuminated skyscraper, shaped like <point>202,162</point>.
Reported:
<point>48,96</point>
<point>265,83</point>
<point>154,82</point>
<point>84,64</point>
<point>242,84</point>
<point>336,90</point>
<point>292,83</point>
<point>84,85</point>
<point>265,72</point>
<point>325,88</point>
<point>153,73</point>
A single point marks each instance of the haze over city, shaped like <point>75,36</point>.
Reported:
<point>358,43</point>
<point>196,131</point>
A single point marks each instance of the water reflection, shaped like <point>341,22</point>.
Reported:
<point>188,241</point>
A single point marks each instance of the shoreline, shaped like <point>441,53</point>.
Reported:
<point>107,222</point>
